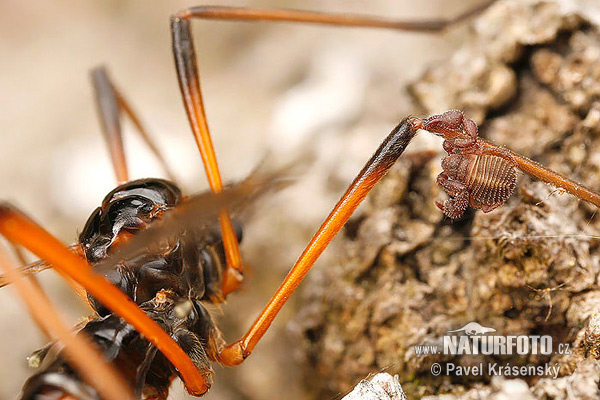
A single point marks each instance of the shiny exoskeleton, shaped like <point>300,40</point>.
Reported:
<point>192,267</point>
<point>185,273</point>
<point>472,175</point>
<point>187,322</point>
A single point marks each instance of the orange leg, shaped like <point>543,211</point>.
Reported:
<point>19,229</point>
<point>383,159</point>
<point>80,352</point>
<point>32,278</point>
<point>38,266</point>
<point>23,261</point>
<point>111,105</point>
<point>189,83</point>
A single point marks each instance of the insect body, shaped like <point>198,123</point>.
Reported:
<point>169,283</point>
<point>473,175</point>
<point>125,210</point>
<point>203,262</point>
<point>489,181</point>
<point>188,323</point>
<point>179,273</point>
<point>191,266</point>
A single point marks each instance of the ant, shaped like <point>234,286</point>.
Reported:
<point>476,173</point>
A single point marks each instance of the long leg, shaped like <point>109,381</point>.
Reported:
<point>311,17</point>
<point>38,266</point>
<point>189,83</point>
<point>19,229</point>
<point>111,105</point>
<point>23,261</point>
<point>79,351</point>
<point>383,159</point>
<point>20,254</point>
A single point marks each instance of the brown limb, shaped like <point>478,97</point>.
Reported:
<point>79,351</point>
<point>18,250</point>
<point>19,229</point>
<point>544,174</point>
<point>111,105</point>
<point>311,17</point>
<point>189,83</point>
<point>36,266</point>
<point>383,159</point>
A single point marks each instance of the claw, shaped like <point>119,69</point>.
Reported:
<point>450,121</point>
<point>440,204</point>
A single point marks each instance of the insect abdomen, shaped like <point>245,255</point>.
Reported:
<point>491,180</point>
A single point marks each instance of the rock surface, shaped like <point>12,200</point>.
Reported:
<point>530,76</point>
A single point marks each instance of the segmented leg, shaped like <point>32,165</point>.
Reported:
<point>19,229</point>
<point>18,250</point>
<point>383,159</point>
<point>486,208</point>
<point>41,265</point>
<point>460,133</point>
<point>502,153</point>
<point>323,18</point>
<point>189,83</point>
<point>80,352</point>
<point>111,106</point>
<point>455,206</point>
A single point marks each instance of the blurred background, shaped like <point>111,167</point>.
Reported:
<point>272,91</point>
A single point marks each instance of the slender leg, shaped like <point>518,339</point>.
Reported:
<point>108,110</point>
<point>348,20</point>
<point>23,261</point>
<point>79,351</point>
<point>487,208</point>
<point>19,229</point>
<point>383,159</point>
<point>39,266</point>
<point>189,83</point>
<point>18,250</point>
<point>29,270</point>
<point>111,105</point>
